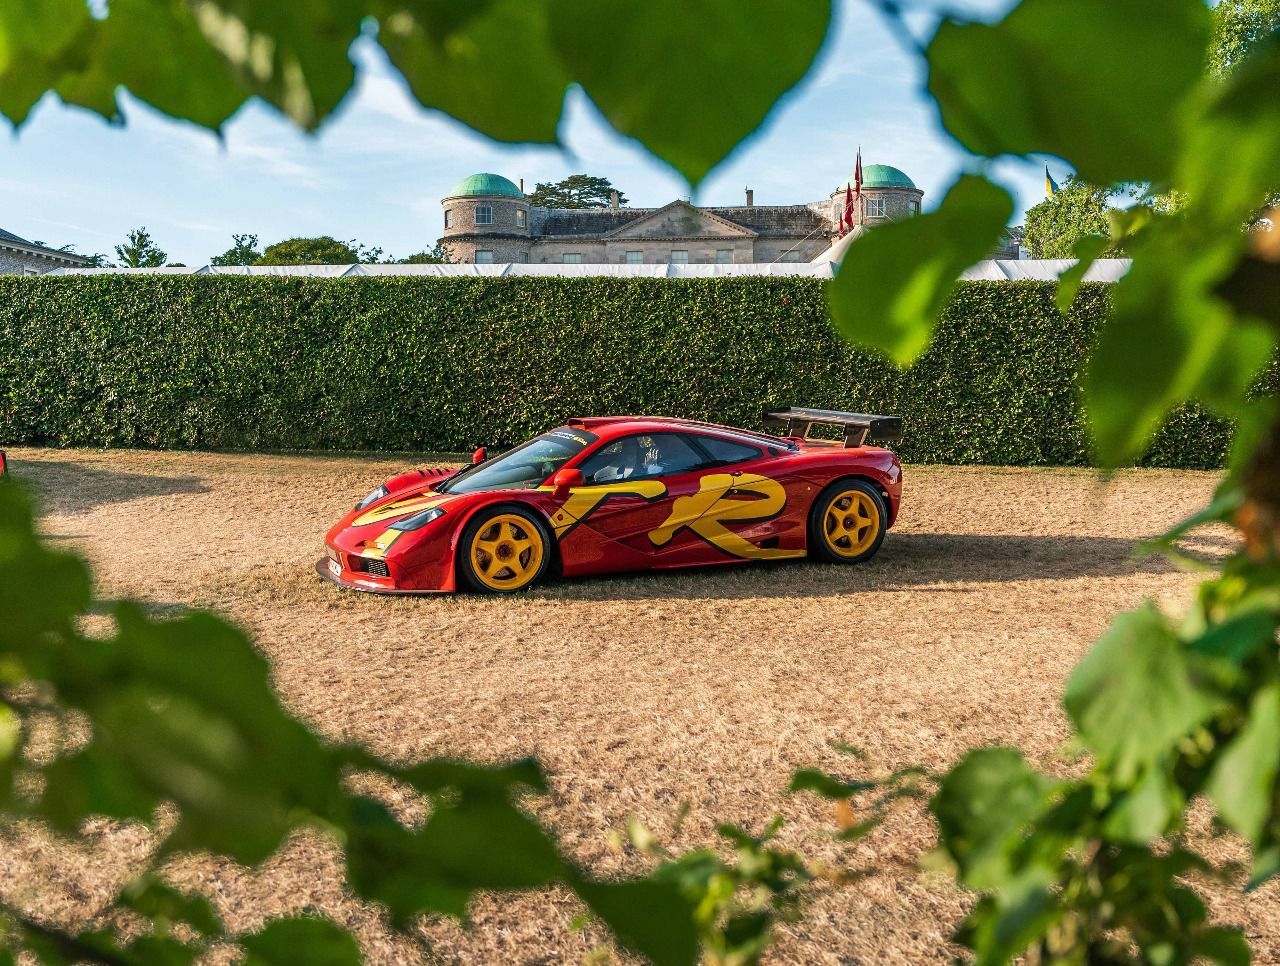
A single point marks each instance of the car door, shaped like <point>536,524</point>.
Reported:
<point>630,483</point>
<point>727,510</point>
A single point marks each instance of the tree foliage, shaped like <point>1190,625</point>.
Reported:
<point>1076,211</point>
<point>244,251</point>
<point>1238,27</point>
<point>140,251</point>
<point>317,251</point>
<point>438,255</point>
<point>576,191</point>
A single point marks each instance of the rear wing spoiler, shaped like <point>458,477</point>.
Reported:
<point>858,427</point>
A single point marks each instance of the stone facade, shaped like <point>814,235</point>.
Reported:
<point>488,219</point>
<point>21,257</point>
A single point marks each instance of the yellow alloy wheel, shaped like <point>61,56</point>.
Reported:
<point>507,552</point>
<point>851,523</point>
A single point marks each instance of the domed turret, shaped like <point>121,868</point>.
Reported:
<point>486,219</point>
<point>479,185</point>
<point>888,194</point>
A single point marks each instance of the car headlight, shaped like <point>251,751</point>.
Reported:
<point>373,497</point>
<point>418,520</point>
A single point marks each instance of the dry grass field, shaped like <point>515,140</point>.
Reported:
<point>638,694</point>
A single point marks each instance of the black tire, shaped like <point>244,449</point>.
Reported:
<point>838,541</point>
<point>482,569</point>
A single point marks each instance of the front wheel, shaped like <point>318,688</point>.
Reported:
<point>503,550</point>
<point>848,522</point>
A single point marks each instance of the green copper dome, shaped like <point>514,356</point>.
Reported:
<point>485,184</point>
<point>883,176</point>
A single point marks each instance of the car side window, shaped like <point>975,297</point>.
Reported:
<point>725,451</point>
<point>640,457</point>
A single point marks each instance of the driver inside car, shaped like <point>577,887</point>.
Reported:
<point>630,458</point>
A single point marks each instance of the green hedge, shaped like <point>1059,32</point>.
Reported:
<point>215,362</point>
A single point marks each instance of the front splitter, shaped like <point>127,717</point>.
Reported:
<point>322,568</point>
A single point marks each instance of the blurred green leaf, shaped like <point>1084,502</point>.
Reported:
<point>180,73</point>
<point>1132,697</point>
<point>983,808</point>
<point>292,55</point>
<point>470,68</point>
<point>1236,133</point>
<point>316,942</point>
<point>183,711</point>
<point>820,783</point>
<point>895,282</point>
<point>1086,251</point>
<point>1169,340</point>
<point>1144,811</point>
<point>476,840</point>
<point>158,901</point>
<point>38,44</point>
<point>724,62</point>
<point>649,916</point>
<point>42,590</point>
<point>1243,782</point>
<point>1069,79</point>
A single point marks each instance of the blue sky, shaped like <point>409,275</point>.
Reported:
<point>376,171</point>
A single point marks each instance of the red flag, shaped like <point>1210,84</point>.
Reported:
<point>847,220</point>
<point>857,185</point>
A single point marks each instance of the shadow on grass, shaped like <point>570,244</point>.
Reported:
<point>73,487</point>
<point>908,561</point>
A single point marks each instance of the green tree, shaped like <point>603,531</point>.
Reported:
<point>140,251</point>
<point>1239,26</point>
<point>324,250</point>
<point>438,255</point>
<point>1076,210</point>
<point>576,191</point>
<point>244,251</point>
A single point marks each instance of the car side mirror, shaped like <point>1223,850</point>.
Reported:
<point>480,455</point>
<point>565,480</point>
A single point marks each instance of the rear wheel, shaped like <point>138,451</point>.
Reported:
<point>503,550</point>
<point>848,522</point>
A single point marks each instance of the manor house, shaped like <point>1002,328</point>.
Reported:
<point>488,218</point>
<point>21,257</point>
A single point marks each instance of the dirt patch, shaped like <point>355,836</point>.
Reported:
<point>640,693</point>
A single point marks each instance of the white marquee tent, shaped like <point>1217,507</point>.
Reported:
<point>1103,270</point>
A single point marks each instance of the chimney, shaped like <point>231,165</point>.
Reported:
<point>522,185</point>
<point>613,200</point>
<point>751,198</point>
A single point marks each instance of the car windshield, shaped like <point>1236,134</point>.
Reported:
<point>528,465</point>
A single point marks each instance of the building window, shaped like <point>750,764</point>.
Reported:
<point>484,257</point>
<point>835,212</point>
<point>875,207</point>
<point>523,258</point>
<point>448,218</point>
<point>522,217</point>
<point>484,215</point>
<point>913,208</point>
<point>635,258</point>
<point>724,256</point>
<point>679,256</point>
<point>571,258</point>
<point>30,271</point>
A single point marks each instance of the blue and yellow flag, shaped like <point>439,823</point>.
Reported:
<point>1050,186</point>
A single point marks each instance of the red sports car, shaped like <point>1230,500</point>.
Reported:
<point>625,493</point>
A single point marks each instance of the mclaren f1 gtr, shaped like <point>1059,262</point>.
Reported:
<point>611,494</point>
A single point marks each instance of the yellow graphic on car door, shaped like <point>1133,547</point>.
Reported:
<point>583,501</point>
<point>718,501</point>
